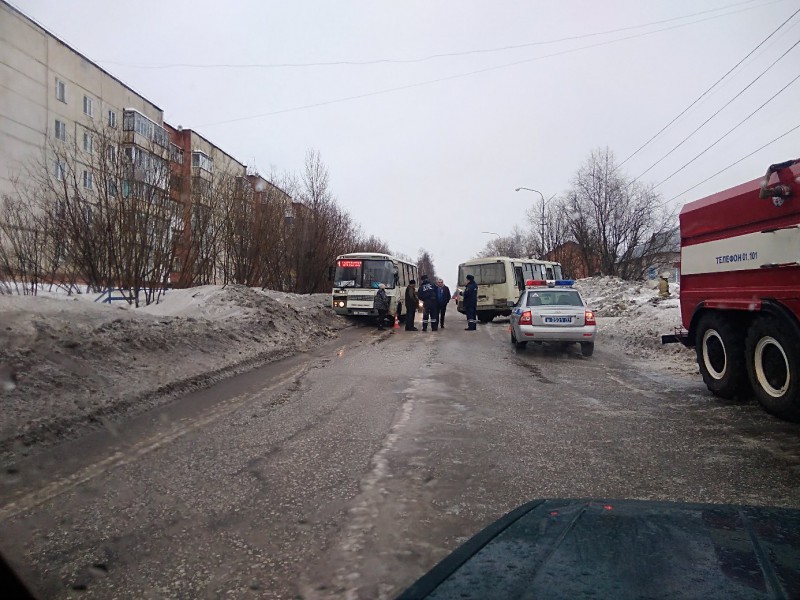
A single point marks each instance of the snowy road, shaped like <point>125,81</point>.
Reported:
<point>349,471</point>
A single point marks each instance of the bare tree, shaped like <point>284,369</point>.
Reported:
<point>425,264</point>
<point>371,244</point>
<point>320,229</point>
<point>609,216</point>
<point>94,210</point>
<point>518,244</point>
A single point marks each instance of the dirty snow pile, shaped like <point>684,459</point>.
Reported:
<point>631,316</point>
<point>68,363</point>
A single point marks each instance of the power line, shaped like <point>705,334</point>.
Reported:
<point>462,75</point>
<point>703,124</point>
<point>733,164</point>
<point>441,55</point>
<point>685,110</point>
<point>729,131</point>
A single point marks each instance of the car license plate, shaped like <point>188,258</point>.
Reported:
<point>559,320</point>
<point>360,312</point>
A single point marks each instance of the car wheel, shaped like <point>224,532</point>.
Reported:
<point>720,356</point>
<point>587,348</point>
<point>772,360</point>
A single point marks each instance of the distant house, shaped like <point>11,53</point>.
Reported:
<point>661,253</point>
<point>573,262</point>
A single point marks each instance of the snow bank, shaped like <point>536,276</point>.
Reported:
<point>632,317</point>
<point>67,362</point>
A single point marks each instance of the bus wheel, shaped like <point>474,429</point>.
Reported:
<point>773,355</point>
<point>720,356</point>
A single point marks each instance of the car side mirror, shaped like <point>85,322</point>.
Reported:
<point>510,303</point>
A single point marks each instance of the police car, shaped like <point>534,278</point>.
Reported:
<point>552,313</point>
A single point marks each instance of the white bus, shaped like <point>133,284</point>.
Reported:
<point>356,278</point>
<point>501,280</point>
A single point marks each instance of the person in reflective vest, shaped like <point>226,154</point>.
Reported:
<point>471,303</point>
<point>430,306</point>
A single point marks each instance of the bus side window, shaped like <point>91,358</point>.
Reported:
<point>550,273</point>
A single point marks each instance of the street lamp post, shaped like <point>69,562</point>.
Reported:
<point>542,224</point>
<point>496,249</point>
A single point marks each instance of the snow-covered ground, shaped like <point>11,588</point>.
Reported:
<point>632,317</point>
<point>68,363</point>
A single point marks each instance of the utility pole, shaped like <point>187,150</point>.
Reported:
<point>543,223</point>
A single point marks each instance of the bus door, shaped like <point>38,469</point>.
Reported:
<point>519,278</point>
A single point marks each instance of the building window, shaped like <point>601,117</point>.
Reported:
<point>59,171</point>
<point>61,90</point>
<point>88,180</point>
<point>176,154</point>
<point>111,153</point>
<point>61,130</point>
<point>136,121</point>
<point>112,187</point>
<point>203,161</point>
<point>88,142</point>
<point>88,106</point>
<point>112,118</point>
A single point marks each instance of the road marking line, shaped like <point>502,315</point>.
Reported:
<point>120,458</point>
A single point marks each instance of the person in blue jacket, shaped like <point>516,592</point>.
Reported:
<point>430,306</point>
<point>471,303</point>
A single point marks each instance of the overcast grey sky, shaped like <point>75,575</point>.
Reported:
<point>435,163</point>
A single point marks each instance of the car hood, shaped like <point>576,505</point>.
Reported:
<point>624,549</point>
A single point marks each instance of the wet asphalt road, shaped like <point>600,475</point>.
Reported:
<point>349,471</point>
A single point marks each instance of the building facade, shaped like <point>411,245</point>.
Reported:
<point>51,94</point>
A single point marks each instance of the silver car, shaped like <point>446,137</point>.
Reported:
<point>553,314</point>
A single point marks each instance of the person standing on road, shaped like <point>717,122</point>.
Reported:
<point>430,306</point>
<point>442,297</point>
<point>381,305</point>
<point>412,301</point>
<point>471,303</point>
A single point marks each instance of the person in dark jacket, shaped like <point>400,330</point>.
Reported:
<point>471,303</point>
<point>381,305</point>
<point>442,297</point>
<point>412,301</point>
<point>430,306</point>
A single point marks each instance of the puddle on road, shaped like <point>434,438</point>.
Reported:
<point>535,370</point>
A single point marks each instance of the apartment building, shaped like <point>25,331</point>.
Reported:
<point>200,173</point>
<point>51,94</point>
<point>62,113</point>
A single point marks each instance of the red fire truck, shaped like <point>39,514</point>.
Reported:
<point>740,289</point>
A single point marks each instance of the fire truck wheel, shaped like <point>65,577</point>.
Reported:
<point>773,355</point>
<point>720,356</point>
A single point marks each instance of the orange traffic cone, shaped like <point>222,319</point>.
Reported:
<point>396,322</point>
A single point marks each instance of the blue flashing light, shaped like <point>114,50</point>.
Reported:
<point>565,281</point>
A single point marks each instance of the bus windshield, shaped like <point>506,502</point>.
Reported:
<point>484,274</point>
<point>363,273</point>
